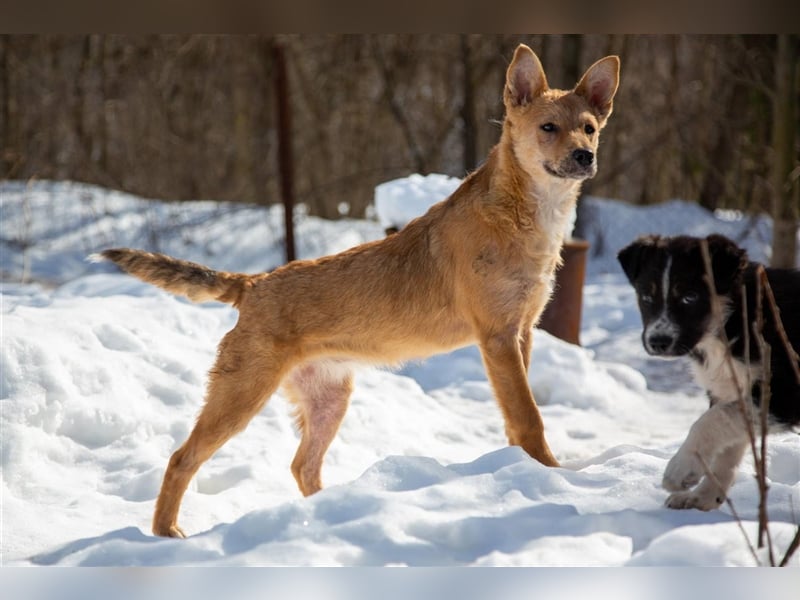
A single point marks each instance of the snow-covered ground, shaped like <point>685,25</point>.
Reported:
<point>101,377</point>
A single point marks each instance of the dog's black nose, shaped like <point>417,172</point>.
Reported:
<point>583,157</point>
<point>659,344</point>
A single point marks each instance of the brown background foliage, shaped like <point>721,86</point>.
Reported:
<point>194,117</point>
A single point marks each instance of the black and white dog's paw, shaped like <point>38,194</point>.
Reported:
<point>683,471</point>
<point>708,499</point>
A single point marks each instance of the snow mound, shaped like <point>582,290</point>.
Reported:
<point>101,378</point>
<point>400,200</point>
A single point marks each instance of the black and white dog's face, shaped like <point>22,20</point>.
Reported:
<point>675,300</point>
<point>682,313</point>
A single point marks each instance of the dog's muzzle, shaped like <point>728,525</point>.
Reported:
<point>584,158</point>
<point>580,164</point>
<point>659,344</point>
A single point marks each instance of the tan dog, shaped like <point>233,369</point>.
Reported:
<point>476,268</point>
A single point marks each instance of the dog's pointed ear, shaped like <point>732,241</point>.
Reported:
<point>727,262</point>
<point>632,256</point>
<point>525,79</point>
<point>599,85</point>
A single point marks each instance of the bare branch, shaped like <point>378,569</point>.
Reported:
<point>793,545</point>
<point>396,107</point>
<point>794,358</point>
<point>729,502</point>
<point>761,461</point>
<point>740,392</point>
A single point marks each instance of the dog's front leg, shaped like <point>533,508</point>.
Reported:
<point>713,489</point>
<point>716,441</point>
<point>503,358</point>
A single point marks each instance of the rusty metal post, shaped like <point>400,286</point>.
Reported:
<point>285,160</point>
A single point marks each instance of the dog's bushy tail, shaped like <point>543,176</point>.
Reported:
<point>196,282</point>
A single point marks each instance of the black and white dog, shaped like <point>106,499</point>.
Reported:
<point>681,317</point>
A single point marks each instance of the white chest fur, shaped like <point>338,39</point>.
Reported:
<point>726,378</point>
<point>555,206</point>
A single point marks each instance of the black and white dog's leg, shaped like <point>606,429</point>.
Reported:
<point>712,491</point>
<point>717,441</point>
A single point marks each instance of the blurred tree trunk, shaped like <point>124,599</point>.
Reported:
<point>244,161</point>
<point>785,171</point>
<point>469,131</point>
<point>316,105</point>
<point>182,117</point>
<point>285,156</point>
<point>572,46</point>
<point>389,77</point>
<point>611,155</point>
<point>723,151</point>
<point>6,109</point>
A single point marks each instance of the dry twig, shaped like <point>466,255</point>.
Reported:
<point>743,404</point>
<point>794,358</point>
<point>761,460</point>
<point>793,545</point>
<point>729,502</point>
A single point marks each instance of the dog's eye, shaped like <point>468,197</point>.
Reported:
<point>589,129</point>
<point>689,298</point>
<point>549,127</point>
<point>647,299</point>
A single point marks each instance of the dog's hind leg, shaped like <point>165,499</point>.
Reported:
<point>243,378</point>
<point>321,391</point>
<point>506,367</point>
<point>526,343</point>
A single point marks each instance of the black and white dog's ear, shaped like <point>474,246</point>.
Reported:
<point>727,261</point>
<point>635,254</point>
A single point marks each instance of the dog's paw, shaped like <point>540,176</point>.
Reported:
<point>683,471</point>
<point>694,499</point>
<point>172,531</point>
